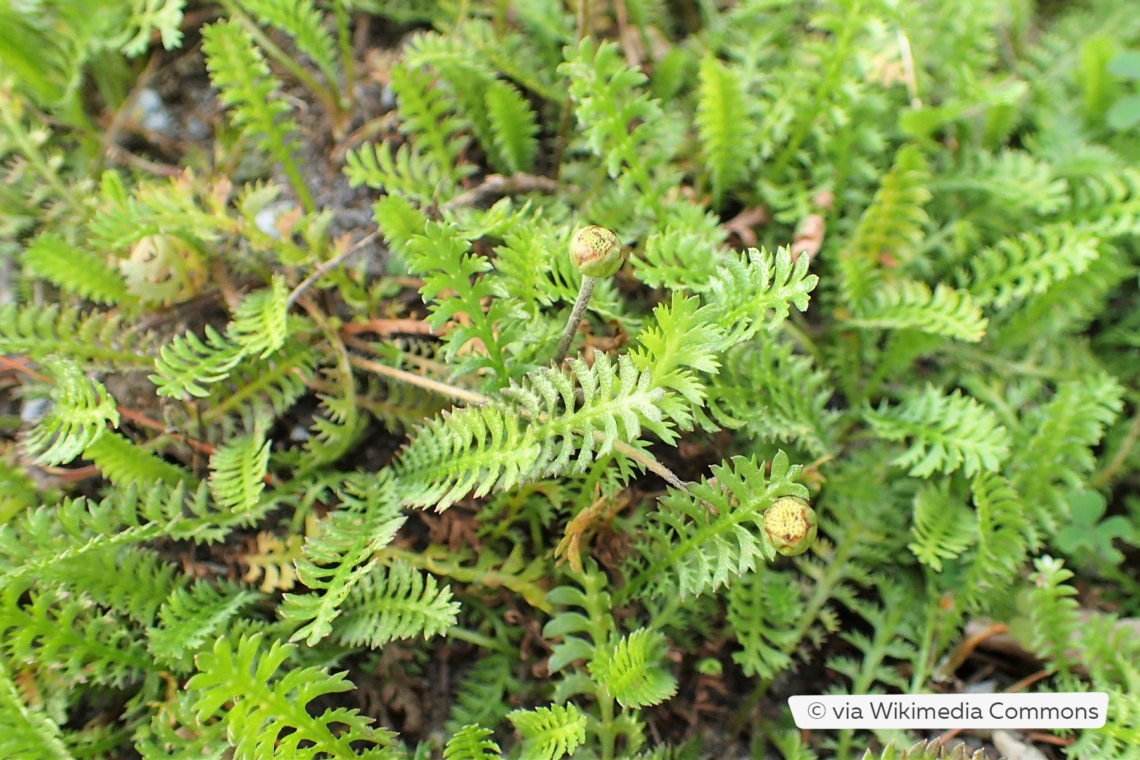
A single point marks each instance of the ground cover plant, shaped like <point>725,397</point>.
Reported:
<point>304,456</point>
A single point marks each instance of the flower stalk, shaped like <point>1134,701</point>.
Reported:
<point>598,253</point>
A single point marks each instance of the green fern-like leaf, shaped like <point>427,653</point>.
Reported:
<point>237,473</point>
<point>51,536</point>
<point>539,428</point>
<point>617,118</point>
<point>485,691</point>
<point>407,172</point>
<point>162,17</point>
<point>1061,312</point>
<point>779,396</point>
<point>266,705</point>
<point>396,602</point>
<point>1023,186</point>
<point>81,409</point>
<point>29,733</point>
<point>304,24</point>
<point>427,117</point>
<point>463,72</point>
<point>722,120</point>
<point>790,743</point>
<point>683,259</point>
<point>1001,543</point>
<point>399,221</point>
<point>764,608</point>
<point>187,365</point>
<point>39,331</point>
<point>174,731</point>
<point>457,283</point>
<point>1053,612</point>
<point>892,637</point>
<point>690,549</point>
<point>1056,448</point>
<point>679,351</point>
<point>948,432</point>
<point>168,207</point>
<point>943,527</point>
<point>549,733</point>
<point>57,535</point>
<point>1111,653</point>
<point>193,616</point>
<point>132,580</point>
<point>186,215</point>
<point>893,225</point>
<point>265,389</point>
<point>471,743</point>
<point>78,641</point>
<point>259,320</point>
<point>339,425</point>
<point>75,270</point>
<point>341,554</point>
<point>1032,262</point>
<point>753,292</point>
<point>513,124</point>
<point>632,669</point>
<point>907,304</point>
<point>125,463</point>
<point>1107,203</point>
<point>20,492</point>
<point>247,86</point>
<point>523,263</point>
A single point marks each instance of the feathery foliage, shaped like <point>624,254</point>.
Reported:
<point>891,227</point>
<point>94,337</point>
<point>239,71</point>
<point>471,743</point>
<point>631,669</point>
<point>617,121</point>
<point>188,364</point>
<point>703,539</point>
<point>549,733</point>
<point>79,412</point>
<point>282,401</point>
<point>948,432</point>
<point>395,602</point>
<point>74,270</point>
<point>340,555</point>
<point>537,429</point>
<point>513,126</point>
<point>266,713</point>
<point>721,120</point>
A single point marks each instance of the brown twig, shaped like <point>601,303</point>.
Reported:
<point>497,186</point>
<point>143,421</point>
<point>327,266</point>
<point>382,326</point>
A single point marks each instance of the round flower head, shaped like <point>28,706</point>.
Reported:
<point>597,251</point>
<point>791,525</point>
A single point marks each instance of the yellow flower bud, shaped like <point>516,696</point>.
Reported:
<point>790,524</point>
<point>597,251</point>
